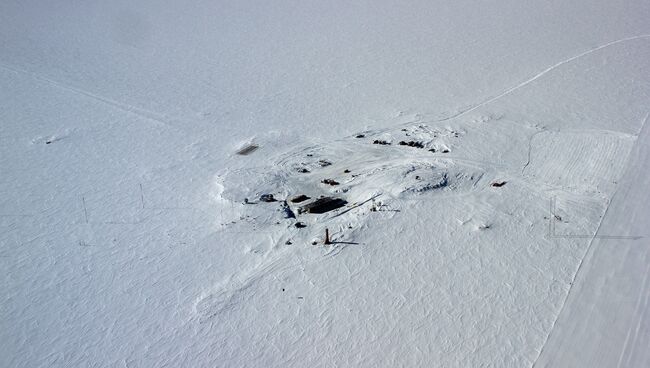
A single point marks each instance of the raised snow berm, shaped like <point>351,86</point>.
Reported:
<point>349,172</point>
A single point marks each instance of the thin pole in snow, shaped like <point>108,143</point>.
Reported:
<point>141,196</point>
<point>83,200</point>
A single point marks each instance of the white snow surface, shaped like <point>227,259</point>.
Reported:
<point>126,239</point>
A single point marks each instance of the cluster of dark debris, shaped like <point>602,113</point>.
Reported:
<point>330,182</point>
<point>414,144</point>
<point>319,206</point>
<point>382,142</point>
<point>411,144</point>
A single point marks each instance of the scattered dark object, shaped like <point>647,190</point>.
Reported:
<point>360,136</point>
<point>288,213</point>
<point>322,205</point>
<point>247,149</point>
<point>432,150</point>
<point>557,217</point>
<point>442,183</point>
<point>309,155</point>
<point>314,242</point>
<point>327,236</point>
<point>302,170</point>
<point>267,198</point>
<point>417,177</point>
<point>484,227</point>
<point>445,151</point>
<point>498,184</point>
<point>300,297</point>
<point>288,242</point>
<point>324,163</point>
<point>411,144</point>
<point>379,141</point>
<point>299,198</point>
<point>346,171</point>
<point>282,289</point>
<point>48,142</point>
<point>300,225</point>
<point>246,201</point>
<point>330,182</point>
<point>404,129</point>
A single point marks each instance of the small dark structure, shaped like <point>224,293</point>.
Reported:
<point>323,205</point>
<point>247,149</point>
<point>267,198</point>
<point>412,144</point>
<point>498,184</point>
<point>382,142</point>
<point>299,198</point>
<point>330,182</point>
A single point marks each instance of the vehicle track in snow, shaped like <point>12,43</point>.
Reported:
<point>542,73</point>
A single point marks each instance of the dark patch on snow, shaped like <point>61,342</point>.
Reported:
<point>247,149</point>
<point>330,182</point>
<point>382,142</point>
<point>299,198</point>
<point>286,210</point>
<point>411,144</point>
<point>323,205</point>
<point>498,184</point>
<point>267,198</point>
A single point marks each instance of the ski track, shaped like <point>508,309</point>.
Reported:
<point>143,113</point>
<point>642,133</point>
<point>542,73</point>
<point>530,148</point>
<point>642,317</point>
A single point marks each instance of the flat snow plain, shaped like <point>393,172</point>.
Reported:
<point>125,239</point>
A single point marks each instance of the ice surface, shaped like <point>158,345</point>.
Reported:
<point>126,164</point>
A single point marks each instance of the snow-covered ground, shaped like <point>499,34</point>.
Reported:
<point>131,230</point>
